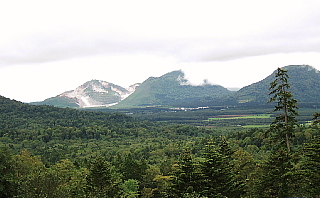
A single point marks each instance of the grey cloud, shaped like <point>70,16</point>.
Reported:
<point>279,42</point>
<point>54,47</point>
<point>181,33</point>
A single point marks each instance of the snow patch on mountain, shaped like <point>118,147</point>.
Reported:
<point>97,93</point>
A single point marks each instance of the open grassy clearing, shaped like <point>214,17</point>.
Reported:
<point>225,117</point>
<point>257,126</point>
<point>215,116</point>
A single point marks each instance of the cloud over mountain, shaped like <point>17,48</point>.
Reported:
<point>187,31</point>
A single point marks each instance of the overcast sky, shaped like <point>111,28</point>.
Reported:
<point>48,47</point>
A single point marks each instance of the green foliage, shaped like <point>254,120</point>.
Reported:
<point>7,174</point>
<point>219,180</point>
<point>212,176</point>
<point>283,125</point>
<point>148,159</point>
<point>72,179</point>
<point>32,174</point>
<point>63,179</point>
<point>187,176</point>
<point>309,168</point>
<point>129,167</point>
<point>59,102</point>
<point>316,118</point>
<point>130,189</point>
<point>102,179</point>
<point>244,165</point>
<point>277,177</point>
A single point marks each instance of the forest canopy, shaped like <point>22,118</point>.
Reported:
<point>47,151</point>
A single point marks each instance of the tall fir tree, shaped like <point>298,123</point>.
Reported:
<point>283,126</point>
<point>277,172</point>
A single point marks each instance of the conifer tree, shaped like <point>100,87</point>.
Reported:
<point>7,179</point>
<point>129,167</point>
<point>277,172</point>
<point>283,125</point>
<point>276,176</point>
<point>187,177</point>
<point>219,180</point>
<point>310,168</point>
<point>102,179</point>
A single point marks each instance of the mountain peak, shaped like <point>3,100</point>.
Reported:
<point>301,67</point>
<point>304,81</point>
<point>93,93</point>
<point>171,89</point>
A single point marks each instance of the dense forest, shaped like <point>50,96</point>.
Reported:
<point>61,152</point>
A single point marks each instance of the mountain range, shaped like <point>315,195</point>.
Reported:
<point>173,89</point>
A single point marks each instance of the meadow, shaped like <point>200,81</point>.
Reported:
<point>225,117</point>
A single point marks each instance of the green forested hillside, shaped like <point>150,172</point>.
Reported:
<point>171,89</point>
<point>304,81</point>
<point>59,102</point>
<point>47,151</point>
<point>166,90</point>
<point>41,141</point>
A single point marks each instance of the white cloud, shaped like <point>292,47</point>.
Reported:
<point>245,71</point>
<point>38,31</point>
<point>37,82</point>
<point>65,43</point>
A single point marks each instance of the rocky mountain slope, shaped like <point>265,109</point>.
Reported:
<point>93,93</point>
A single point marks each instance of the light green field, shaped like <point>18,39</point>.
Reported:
<point>256,126</point>
<point>243,117</point>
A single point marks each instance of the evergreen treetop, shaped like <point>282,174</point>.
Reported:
<point>283,125</point>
